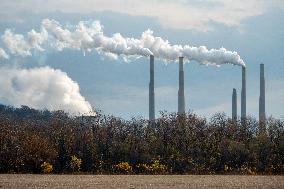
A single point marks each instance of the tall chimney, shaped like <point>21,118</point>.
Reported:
<point>151,91</point>
<point>262,96</point>
<point>234,105</point>
<point>181,102</point>
<point>243,95</point>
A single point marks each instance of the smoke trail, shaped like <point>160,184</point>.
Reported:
<point>42,88</point>
<point>89,36</point>
<point>213,56</point>
<point>3,54</point>
<point>19,45</point>
<point>164,50</point>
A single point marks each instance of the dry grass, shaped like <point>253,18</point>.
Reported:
<point>23,181</point>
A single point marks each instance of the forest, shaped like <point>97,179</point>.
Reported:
<point>34,141</point>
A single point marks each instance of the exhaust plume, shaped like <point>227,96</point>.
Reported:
<point>19,45</point>
<point>3,54</point>
<point>164,50</point>
<point>89,36</point>
<point>42,88</point>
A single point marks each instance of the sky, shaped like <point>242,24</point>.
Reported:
<point>72,79</point>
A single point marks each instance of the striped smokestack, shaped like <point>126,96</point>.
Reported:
<point>151,91</point>
<point>181,102</point>
<point>234,105</point>
<point>262,96</point>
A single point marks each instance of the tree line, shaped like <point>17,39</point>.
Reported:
<point>33,141</point>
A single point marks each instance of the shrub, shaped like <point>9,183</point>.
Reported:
<point>46,167</point>
<point>122,167</point>
<point>143,168</point>
<point>153,168</point>
<point>247,170</point>
<point>157,168</point>
<point>75,163</point>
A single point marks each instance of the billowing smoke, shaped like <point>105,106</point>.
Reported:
<point>19,45</point>
<point>89,36</point>
<point>213,56</point>
<point>3,54</point>
<point>42,88</point>
<point>164,50</point>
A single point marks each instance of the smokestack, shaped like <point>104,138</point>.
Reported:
<point>181,102</point>
<point>151,91</point>
<point>243,95</point>
<point>234,105</point>
<point>262,96</point>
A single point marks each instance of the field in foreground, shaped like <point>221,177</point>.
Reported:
<point>23,181</point>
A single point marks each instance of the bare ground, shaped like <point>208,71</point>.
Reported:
<point>23,181</point>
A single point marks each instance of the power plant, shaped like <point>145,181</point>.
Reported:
<point>234,105</point>
<point>181,101</point>
<point>181,97</point>
<point>262,116</point>
<point>151,91</point>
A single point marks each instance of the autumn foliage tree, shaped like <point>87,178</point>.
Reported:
<point>174,144</point>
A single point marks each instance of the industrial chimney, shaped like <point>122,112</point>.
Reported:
<point>181,102</point>
<point>262,96</point>
<point>151,91</point>
<point>243,95</point>
<point>234,105</point>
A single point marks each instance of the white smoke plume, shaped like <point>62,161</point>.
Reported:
<point>19,45</point>
<point>164,50</point>
<point>42,88</point>
<point>3,54</point>
<point>213,56</point>
<point>88,36</point>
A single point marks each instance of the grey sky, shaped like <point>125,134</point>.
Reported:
<point>254,28</point>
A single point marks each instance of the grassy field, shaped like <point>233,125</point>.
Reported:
<point>22,181</point>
